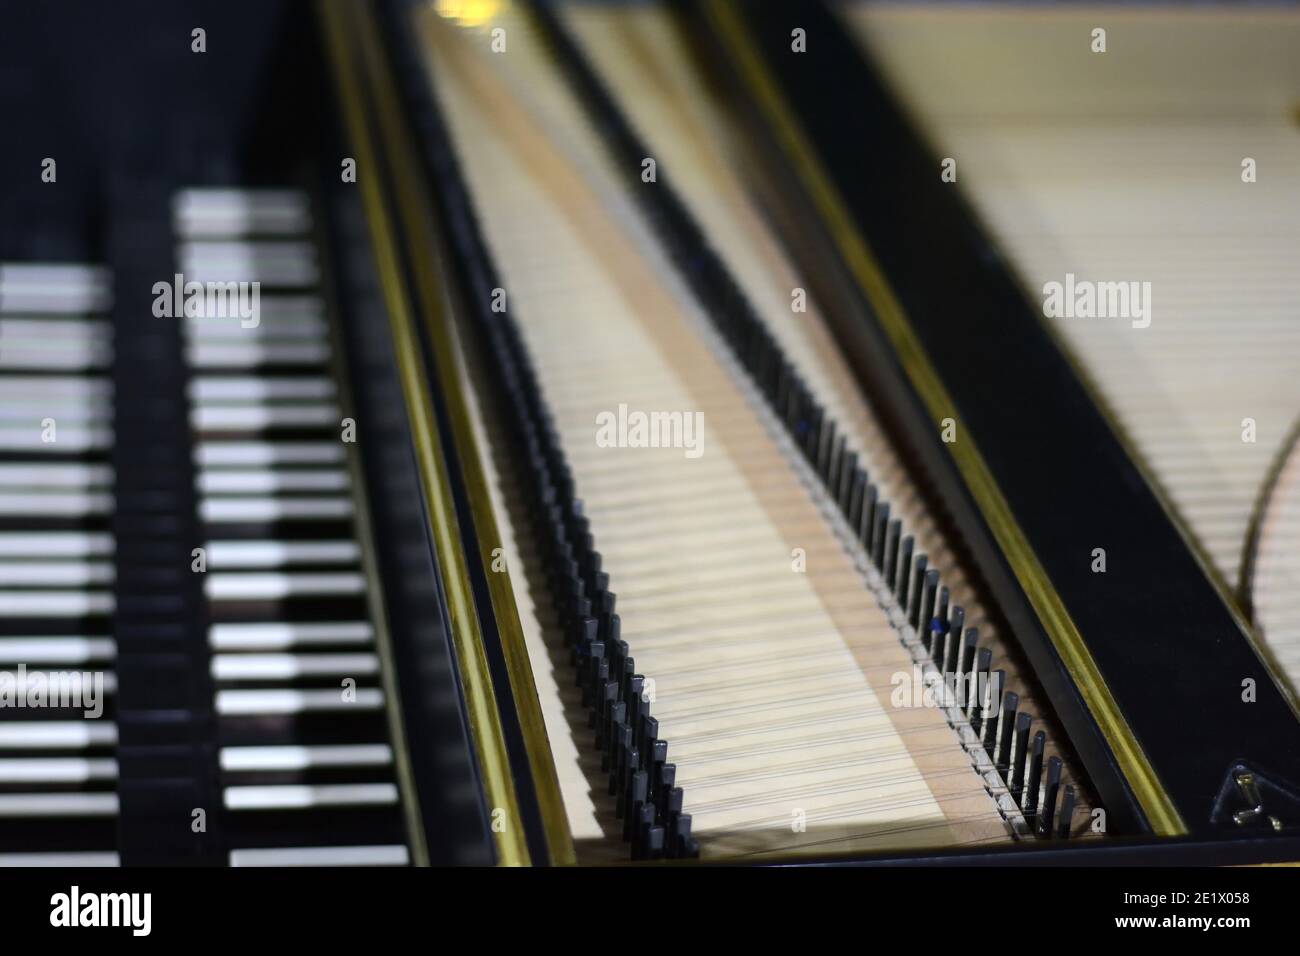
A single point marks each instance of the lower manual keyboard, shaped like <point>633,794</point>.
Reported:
<point>58,768</point>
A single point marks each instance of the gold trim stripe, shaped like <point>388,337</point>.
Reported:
<point>413,204</point>
<point>480,701</point>
<point>1161,813</point>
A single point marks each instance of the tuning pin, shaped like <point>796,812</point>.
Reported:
<point>1034,782</point>
<point>1066,816</point>
<point>610,623</point>
<point>923,598</point>
<point>941,615</point>
<point>952,652</point>
<point>636,829</point>
<point>825,442</point>
<point>592,656</point>
<point>785,401</point>
<point>812,436</point>
<point>963,678</point>
<point>880,523</point>
<point>978,687</point>
<point>867,518</point>
<point>616,651</point>
<point>993,711</point>
<point>583,632</point>
<point>642,825</point>
<point>938,634</point>
<point>780,383</point>
<point>683,844</point>
<point>670,797</point>
<point>606,740</point>
<point>1023,722</point>
<point>843,488</point>
<point>1010,703</point>
<point>652,843</point>
<point>904,573</point>
<point>619,742</point>
<point>591,568</point>
<point>599,715</point>
<point>794,403</point>
<point>633,802</point>
<point>1049,797</point>
<point>833,466</point>
<point>632,690</point>
<point>891,551</point>
<point>656,750</point>
<point>855,498</point>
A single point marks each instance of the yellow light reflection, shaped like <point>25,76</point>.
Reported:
<point>468,13</point>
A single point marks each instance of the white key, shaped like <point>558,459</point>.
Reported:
<point>70,475</point>
<point>57,734</point>
<point>60,859</point>
<point>52,276</point>
<point>322,856</point>
<point>222,354</point>
<point>57,770</point>
<point>288,701</point>
<point>53,287</point>
<point>218,328</point>
<point>276,554</point>
<point>237,586</point>
<point>76,357</point>
<point>219,213</point>
<point>71,388</point>
<point>215,510</point>
<point>280,635</point>
<point>229,482</point>
<point>256,388</point>
<point>69,574</point>
<point>16,412</point>
<point>235,759</point>
<point>56,650</point>
<point>251,454</point>
<point>277,305</point>
<point>272,262</point>
<point>58,805</point>
<point>254,253</point>
<point>54,333</point>
<point>61,687</point>
<point>232,667</point>
<point>301,797</point>
<point>54,603</point>
<point>258,417</point>
<point>55,504</point>
<point>67,439</point>
<point>55,544</point>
